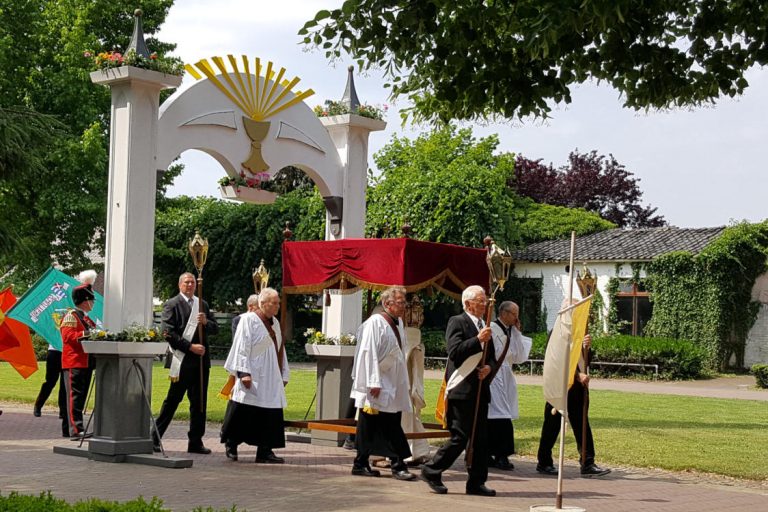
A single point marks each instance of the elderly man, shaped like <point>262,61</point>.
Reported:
<point>503,408</point>
<point>380,388</point>
<point>181,316</point>
<point>258,360</point>
<point>465,336</point>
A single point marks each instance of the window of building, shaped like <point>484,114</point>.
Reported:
<point>633,307</point>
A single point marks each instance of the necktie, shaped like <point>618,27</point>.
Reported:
<point>479,324</point>
<point>191,302</point>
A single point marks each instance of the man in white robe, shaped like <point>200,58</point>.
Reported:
<point>504,406</point>
<point>258,361</point>
<point>380,388</point>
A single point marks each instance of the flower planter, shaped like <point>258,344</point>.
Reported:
<point>334,384</point>
<point>247,195</point>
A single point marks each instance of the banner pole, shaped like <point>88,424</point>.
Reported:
<point>564,412</point>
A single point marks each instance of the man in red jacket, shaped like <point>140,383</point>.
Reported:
<point>74,361</point>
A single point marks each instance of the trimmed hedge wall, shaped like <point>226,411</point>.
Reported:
<point>760,371</point>
<point>45,502</point>
<point>677,359</point>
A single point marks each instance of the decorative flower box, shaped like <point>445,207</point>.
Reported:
<point>330,350</point>
<point>247,194</point>
<point>125,348</point>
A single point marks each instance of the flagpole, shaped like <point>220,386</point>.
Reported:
<point>564,412</point>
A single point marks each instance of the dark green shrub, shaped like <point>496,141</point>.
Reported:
<point>434,342</point>
<point>45,502</point>
<point>677,359</point>
<point>40,346</point>
<point>760,371</point>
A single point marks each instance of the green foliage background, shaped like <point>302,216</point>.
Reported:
<point>707,298</point>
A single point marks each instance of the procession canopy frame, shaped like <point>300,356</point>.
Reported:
<point>376,264</point>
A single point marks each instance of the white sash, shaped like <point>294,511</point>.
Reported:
<point>458,375</point>
<point>189,333</point>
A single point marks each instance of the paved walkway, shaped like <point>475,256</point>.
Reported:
<point>317,479</point>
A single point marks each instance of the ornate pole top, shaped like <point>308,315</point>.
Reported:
<point>350,94</point>
<point>137,39</point>
<point>287,233</point>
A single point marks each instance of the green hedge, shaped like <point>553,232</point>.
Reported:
<point>45,502</point>
<point>677,359</point>
<point>760,371</point>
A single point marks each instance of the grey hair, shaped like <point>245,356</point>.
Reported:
<point>266,294</point>
<point>390,294</point>
<point>507,305</point>
<point>253,300</point>
<point>185,274</point>
<point>469,293</point>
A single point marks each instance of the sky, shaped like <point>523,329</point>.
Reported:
<point>700,167</point>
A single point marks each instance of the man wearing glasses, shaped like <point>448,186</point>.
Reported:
<point>380,388</point>
<point>465,336</point>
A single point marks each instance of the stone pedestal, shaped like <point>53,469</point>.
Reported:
<point>121,418</point>
<point>334,383</point>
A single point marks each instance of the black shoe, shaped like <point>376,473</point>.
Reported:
<point>230,452</point>
<point>502,463</point>
<point>547,470</point>
<point>366,471</point>
<point>349,445</point>
<point>404,475</point>
<point>271,458</point>
<point>434,483</point>
<point>481,490</point>
<point>594,470</point>
<point>37,412</point>
<point>201,449</point>
<point>156,448</point>
<point>81,436</point>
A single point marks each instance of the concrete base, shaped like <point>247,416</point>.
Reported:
<point>147,460</point>
<point>293,437</point>
<point>552,508</point>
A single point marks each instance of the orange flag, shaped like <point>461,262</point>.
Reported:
<point>15,341</point>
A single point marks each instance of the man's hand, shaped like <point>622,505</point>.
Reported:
<point>202,319</point>
<point>197,349</point>
<point>584,379</point>
<point>518,325</point>
<point>247,381</point>
<point>375,392</point>
<point>586,342</point>
<point>484,334</point>
<point>483,372</point>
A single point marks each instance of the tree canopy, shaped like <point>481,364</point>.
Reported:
<point>590,181</point>
<point>53,184</point>
<point>466,60</point>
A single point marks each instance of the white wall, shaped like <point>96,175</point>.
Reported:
<point>555,279</point>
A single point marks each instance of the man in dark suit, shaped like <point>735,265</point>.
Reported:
<point>465,336</point>
<point>252,304</point>
<point>181,332</point>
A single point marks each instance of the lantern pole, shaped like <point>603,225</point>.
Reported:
<point>198,249</point>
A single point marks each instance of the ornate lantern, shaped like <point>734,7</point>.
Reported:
<point>198,249</point>
<point>499,264</point>
<point>586,282</point>
<point>414,312</point>
<point>260,277</point>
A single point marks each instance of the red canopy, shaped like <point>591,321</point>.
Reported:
<point>310,267</point>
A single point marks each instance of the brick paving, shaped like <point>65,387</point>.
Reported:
<point>317,479</point>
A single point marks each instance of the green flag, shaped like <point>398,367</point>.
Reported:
<point>42,307</point>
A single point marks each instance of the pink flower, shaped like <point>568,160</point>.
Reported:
<point>87,54</point>
<point>116,57</point>
<point>153,55</point>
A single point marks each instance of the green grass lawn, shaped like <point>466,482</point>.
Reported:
<point>721,436</point>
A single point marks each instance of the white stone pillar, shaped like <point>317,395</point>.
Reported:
<point>131,201</point>
<point>349,133</point>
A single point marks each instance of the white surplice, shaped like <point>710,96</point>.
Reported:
<point>380,363</point>
<point>254,352</point>
<point>504,387</point>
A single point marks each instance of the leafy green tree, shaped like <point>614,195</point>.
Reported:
<point>468,59</point>
<point>546,222</point>
<point>57,205</point>
<point>239,235</point>
<point>449,186</point>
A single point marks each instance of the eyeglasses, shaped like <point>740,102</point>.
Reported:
<point>399,302</point>
<point>479,301</point>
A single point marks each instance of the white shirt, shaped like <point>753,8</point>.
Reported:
<point>504,387</point>
<point>254,352</point>
<point>380,363</point>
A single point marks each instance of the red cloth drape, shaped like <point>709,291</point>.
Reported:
<point>310,267</point>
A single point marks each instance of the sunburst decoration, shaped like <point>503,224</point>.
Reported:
<point>251,92</point>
